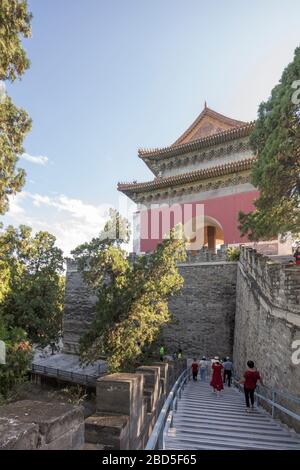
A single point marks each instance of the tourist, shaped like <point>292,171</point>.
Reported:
<point>195,368</point>
<point>251,377</point>
<point>161,353</point>
<point>216,381</point>
<point>227,364</point>
<point>297,255</point>
<point>179,354</point>
<point>203,368</point>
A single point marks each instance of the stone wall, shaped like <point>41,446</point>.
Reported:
<point>78,310</point>
<point>128,405</point>
<point>203,311</point>
<point>268,320</point>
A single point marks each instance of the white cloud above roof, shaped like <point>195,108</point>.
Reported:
<point>37,160</point>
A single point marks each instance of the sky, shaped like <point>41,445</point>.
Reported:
<point>110,76</point>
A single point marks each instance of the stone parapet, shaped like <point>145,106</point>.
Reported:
<point>267,324</point>
<point>128,405</point>
<point>279,283</point>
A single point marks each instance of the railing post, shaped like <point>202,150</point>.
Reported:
<point>160,440</point>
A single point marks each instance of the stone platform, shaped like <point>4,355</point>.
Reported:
<point>35,425</point>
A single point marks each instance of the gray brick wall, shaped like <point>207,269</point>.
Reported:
<point>203,311</point>
<point>78,310</point>
<point>268,320</point>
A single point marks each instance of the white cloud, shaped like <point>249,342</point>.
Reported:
<point>38,200</point>
<point>71,220</point>
<point>15,208</point>
<point>37,160</point>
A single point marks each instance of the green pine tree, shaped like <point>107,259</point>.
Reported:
<point>14,122</point>
<point>133,297</point>
<point>276,142</point>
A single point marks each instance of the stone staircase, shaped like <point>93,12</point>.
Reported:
<point>206,421</point>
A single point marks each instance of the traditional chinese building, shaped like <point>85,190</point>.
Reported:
<point>209,164</point>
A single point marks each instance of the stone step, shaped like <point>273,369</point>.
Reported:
<point>107,430</point>
<point>233,435</point>
<point>218,444</point>
<point>225,424</point>
<point>206,421</point>
<point>222,413</point>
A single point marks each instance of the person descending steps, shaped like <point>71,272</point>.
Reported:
<point>195,368</point>
<point>251,377</point>
<point>227,364</point>
<point>216,380</point>
<point>203,364</point>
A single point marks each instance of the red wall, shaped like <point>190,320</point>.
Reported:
<point>224,209</point>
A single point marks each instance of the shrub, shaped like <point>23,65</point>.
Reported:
<point>233,254</point>
<point>18,357</point>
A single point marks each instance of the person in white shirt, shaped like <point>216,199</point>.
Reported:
<point>203,368</point>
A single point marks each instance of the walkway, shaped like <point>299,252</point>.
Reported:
<point>67,367</point>
<point>205,421</point>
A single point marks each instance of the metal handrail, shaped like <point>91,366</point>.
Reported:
<point>272,402</point>
<point>157,436</point>
<point>66,375</point>
<point>279,392</point>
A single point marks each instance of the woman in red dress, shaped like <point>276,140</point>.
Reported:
<point>216,380</point>
<point>297,255</point>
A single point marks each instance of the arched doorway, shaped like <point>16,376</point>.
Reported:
<point>213,234</point>
<point>204,232</point>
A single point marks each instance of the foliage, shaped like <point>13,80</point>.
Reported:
<point>233,254</point>
<point>14,22</point>
<point>75,394</point>
<point>14,122</point>
<point>33,298</point>
<point>132,300</point>
<point>115,232</point>
<point>276,141</point>
<point>18,357</point>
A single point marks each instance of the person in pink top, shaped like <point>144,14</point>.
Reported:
<point>251,377</point>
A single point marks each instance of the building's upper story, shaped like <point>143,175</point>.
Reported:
<point>212,147</point>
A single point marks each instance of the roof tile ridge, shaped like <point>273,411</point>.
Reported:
<point>198,172</point>
<point>211,138</point>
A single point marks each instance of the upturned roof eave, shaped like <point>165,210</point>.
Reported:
<point>205,142</point>
<point>193,176</point>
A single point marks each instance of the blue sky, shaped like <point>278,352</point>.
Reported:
<point>108,77</point>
